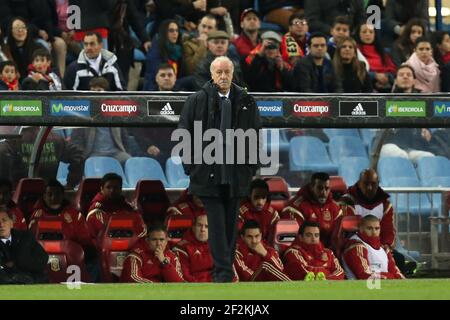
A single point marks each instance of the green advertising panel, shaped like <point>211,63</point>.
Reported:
<point>21,108</point>
<point>406,108</point>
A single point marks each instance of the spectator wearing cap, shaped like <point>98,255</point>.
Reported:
<point>278,12</point>
<point>294,43</point>
<point>249,38</point>
<point>194,47</point>
<point>314,72</point>
<point>218,45</point>
<point>265,70</point>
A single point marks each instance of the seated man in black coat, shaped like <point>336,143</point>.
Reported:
<point>22,259</point>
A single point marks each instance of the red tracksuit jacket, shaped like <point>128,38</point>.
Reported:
<point>186,207</point>
<point>17,215</point>
<point>251,266</point>
<point>142,266</point>
<point>380,207</point>
<point>101,209</point>
<point>303,207</point>
<point>74,226</point>
<point>298,261</point>
<point>357,259</point>
<point>195,258</point>
<point>267,218</point>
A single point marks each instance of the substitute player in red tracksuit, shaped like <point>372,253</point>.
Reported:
<point>107,202</point>
<point>314,202</point>
<point>193,252</point>
<point>364,256</point>
<point>307,259</point>
<point>187,205</point>
<point>367,197</point>
<point>10,206</point>
<point>151,261</point>
<point>257,207</point>
<point>254,260</point>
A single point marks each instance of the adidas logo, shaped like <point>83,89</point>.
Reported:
<point>358,111</point>
<point>167,110</point>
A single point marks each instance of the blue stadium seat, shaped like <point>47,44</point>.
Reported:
<point>175,173</point>
<point>95,167</point>
<point>344,146</point>
<point>333,132</point>
<point>367,136</point>
<point>432,167</point>
<point>309,154</point>
<point>140,168</point>
<point>63,170</point>
<point>395,167</point>
<point>283,143</point>
<point>351,167</point>
<point>409,202</point>
<point>437,182</point>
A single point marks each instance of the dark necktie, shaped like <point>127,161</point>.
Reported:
<point>225,123</point>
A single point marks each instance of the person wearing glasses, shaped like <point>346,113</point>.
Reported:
<point>315,72</point>
<point>294,44</point>
<point>167,48</point>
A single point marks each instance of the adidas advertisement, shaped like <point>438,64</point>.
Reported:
<point>70,108</point>
<point>21,108</point>
<point>358,109</point>
<point>406,108</point>
<point>441,108</point>
<point>164,108</point>
<point>119,108</point>
<point>270,108</point>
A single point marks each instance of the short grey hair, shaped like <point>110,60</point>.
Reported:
<point>221,59</point>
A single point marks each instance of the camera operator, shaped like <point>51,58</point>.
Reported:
<point>265,69</point>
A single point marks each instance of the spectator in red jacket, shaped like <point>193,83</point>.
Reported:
<point>249,38</point>
<point>10,206</point>
<point>364,257</point>
<point>307,259</point>
<point>257,207</point>
<point>151,260</point>
<point>106,203</point>
<point>314,202</point>
<point>193,252</point>
<point>256,261</point>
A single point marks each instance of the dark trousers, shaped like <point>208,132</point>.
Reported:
<point>222,214</point>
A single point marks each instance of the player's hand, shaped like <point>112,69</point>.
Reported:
<point>159,254</point>
<point>310,276</point>
<point>321,276</point>
<point>259,249</point>
<point>153,151</point>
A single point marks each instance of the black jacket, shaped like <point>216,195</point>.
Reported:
<point>274,79</point>
<point>352,84</point>
<point>307,77</point>
<point>321,13</point>
<point>203,106</point>
<point>399,12</point>
<point>15,157</point>
<point>29,260</point>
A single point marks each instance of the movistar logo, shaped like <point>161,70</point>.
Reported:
<point>442,109</point>
<point>57,108</point>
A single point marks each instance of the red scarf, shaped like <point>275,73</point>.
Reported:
<point>316,250</point>
<point>374,242</point>
<point>375,60</point>
<point>446,58</point>
<point>12,86</point>
<point>32,69</point>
